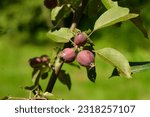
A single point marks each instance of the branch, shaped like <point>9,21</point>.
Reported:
<point>59,62</point>
<point>54,75</point>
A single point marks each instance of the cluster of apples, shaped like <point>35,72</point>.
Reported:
<point>84,57</point>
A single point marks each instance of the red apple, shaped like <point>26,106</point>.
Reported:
<point>68,55</point>
<point>85,58</point>
<point>80,39</point>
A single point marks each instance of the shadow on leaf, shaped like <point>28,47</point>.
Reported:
<point>64,78</point>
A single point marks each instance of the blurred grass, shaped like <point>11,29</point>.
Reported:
<point>15,72</point>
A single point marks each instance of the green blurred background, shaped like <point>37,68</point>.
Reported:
<point>23,28</point>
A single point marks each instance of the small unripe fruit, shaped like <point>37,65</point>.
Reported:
<point>68,55</point>
<point>35,62</point>
<point>45,59</point>
<point>80,39</point>
<point>85,58</point>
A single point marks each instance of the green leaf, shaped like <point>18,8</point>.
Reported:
<point>116,59</point>
<point>59,13</point>
<point>36,74</point>
<point>31,88</point>
<point>139,68</point>
<point>109,3</point>
<point>44,75</point>
<point>65,78</point>
<point>113,16</point>
<point>63,35</point>
<point>91,73</point>
<point>135,68</point>
<point>55,11</point>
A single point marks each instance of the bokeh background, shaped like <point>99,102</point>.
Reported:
<point>23,28</point>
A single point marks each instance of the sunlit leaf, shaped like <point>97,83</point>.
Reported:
<point>59,13</point>
<point>63,35</point>
<point>109,3</point>
<point>35,79</point>
<point>35,76</point>
<point>113,16</point>
<point>135,68</point>
<point>65,78</point>
<point>55,12</point>
<point>116,59</point>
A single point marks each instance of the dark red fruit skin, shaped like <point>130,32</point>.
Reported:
<point>50,3</point>
<point>68,55</point>
<point>35,62</point>
<point>85,58</point>
<point>45,59</point>
<point>80,39</point>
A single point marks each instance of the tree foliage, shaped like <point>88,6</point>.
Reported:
<point>67,19</point>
